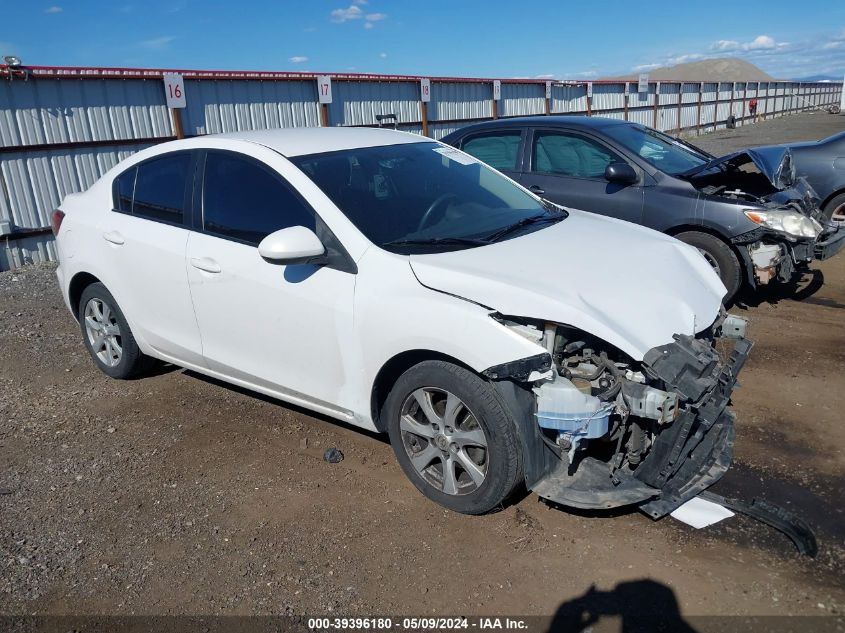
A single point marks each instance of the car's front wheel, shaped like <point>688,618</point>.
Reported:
<point>107,335</point>
<point>834,211</point>
<point>453,437</point>
<point>721,258</point>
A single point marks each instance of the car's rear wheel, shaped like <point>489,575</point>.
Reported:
<point>719,255</point>
<point>834,211</point>
<point>107,335</point>
<point>453,437</point>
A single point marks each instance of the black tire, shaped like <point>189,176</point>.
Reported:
<point>837,202</point>
<point>719,253</point>
<point>132,362</point>
<point>503,454</point>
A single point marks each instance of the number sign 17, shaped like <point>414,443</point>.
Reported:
<point>324,88</point>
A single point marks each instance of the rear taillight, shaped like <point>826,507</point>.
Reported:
<point>56,220</point>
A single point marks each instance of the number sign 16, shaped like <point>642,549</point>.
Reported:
<point>174,90</point>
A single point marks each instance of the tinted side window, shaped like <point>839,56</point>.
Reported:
<point>160,188</point>
<point>570,155</point>
<point>124,188</point>
<point>497,149</point>
<point>247,202</point>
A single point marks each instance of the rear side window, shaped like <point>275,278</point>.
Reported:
<point>160,188</point>
<point>244,201</point>
<point>497,149</point>
<point>124,189</point>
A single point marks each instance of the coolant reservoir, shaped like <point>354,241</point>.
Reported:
<point>563,407</point>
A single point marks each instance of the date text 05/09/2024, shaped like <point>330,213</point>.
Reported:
<point>416,624</point>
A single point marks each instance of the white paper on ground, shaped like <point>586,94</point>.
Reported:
<point>700,513</point>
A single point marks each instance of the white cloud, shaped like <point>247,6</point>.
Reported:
<point>53,9</point>
<point>725,45</point>
<point>832,46</point>
<point>352,12</point>
<point>383,55</point>
<point>158,43</point>
<point>297,59</point>
<point>546,76</point>
<point>688,57</point>
<point>644,67</point>
<point>761,42</point>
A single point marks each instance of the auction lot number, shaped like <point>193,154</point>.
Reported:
<point>409,624</point>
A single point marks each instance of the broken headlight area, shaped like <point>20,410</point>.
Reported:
<point>619,432</point>
<point>771,256</point>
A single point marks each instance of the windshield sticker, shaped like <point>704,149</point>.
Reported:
<point>455,155</point>
<point>380,188</point>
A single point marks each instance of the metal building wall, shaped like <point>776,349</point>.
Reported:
<point>63,128</point>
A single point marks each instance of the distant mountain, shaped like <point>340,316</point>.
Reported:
<point>717,69</point>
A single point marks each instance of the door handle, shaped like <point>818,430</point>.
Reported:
<point>206,263</point>
<point>114,237</point>
<point>537,189</point>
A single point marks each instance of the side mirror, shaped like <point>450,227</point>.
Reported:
<point>621,173</point>
<point>293,245</point>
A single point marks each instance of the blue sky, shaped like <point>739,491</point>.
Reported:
<point>493,38</point>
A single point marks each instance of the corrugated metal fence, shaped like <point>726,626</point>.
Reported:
<point>62,128</point>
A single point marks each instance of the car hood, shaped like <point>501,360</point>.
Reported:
<point>628,285</point>
<point>774,162</point>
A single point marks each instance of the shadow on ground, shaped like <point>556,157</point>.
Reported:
<point>643,606</point>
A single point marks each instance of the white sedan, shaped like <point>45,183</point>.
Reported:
<point>398,284</point>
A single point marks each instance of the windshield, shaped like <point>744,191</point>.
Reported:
<point>424,197</point>
<point>668,155</point>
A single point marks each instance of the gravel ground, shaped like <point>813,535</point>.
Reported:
<point>175,494</point>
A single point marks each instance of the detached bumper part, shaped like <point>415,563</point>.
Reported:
<point>687,456</point>
<point>831,245</point>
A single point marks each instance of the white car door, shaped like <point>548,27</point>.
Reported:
<point>278,327</point>
<point>143,249</point>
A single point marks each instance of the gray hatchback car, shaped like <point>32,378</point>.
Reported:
<point>747,213</point>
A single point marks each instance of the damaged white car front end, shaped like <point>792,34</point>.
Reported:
<point>625,401</point>
<point>611,431</point>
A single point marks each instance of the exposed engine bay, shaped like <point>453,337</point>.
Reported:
<point>653,433</point>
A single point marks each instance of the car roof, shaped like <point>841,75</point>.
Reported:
<point>317,140</point>
<point>571,121</point>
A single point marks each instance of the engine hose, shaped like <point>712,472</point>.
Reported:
<point>637,444</point>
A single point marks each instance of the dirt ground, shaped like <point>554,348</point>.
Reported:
<point>175,494</point>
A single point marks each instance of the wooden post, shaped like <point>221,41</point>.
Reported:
<point>698,109</point>
<point>716,106</point>
<point>324,114</point>
<point>731,102</point>
<point>656,104</point>
<point>424,117</point>
<point>495,109</point>
<point>625,101</point>
<point>589,105</point>
<point>680,101</point>
<point>176,116</point>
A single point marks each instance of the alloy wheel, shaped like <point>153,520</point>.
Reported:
<point>103,332</point>
<point>444,441</point>
<point>711,260</point>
